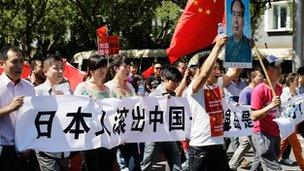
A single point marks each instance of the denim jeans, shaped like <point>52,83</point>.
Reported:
<point>9,160</point>
<point>208,158</point>
<point>170,150</point>
<point>100,158</point>
<point>129,157</point>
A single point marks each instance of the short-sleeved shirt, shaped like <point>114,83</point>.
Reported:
<point>113,89</point>
<point>207,115</point>
<point>161,91</point>
<point>233,90</point>
<point>8,90</point>
<point>84,89</point>
<point>45,88</point>
<point>245,96</point>
<point>260,98</point>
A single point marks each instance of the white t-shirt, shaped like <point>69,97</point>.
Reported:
<point>286,94</point>
<point>207,115</point>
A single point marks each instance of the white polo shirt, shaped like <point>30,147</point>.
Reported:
<point>8,90</point>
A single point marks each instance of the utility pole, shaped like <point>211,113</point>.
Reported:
<point>298,36</point>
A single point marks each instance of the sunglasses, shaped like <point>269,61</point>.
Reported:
<point>158,68</point>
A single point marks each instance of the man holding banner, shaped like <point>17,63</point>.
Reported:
<point>207,128</point>
<point>55,84</point>
<point>12,92</point>
<point>265,102</point>
<point>171,79</point>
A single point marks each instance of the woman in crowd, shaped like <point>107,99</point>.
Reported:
<point>117,76</point>
<point>93,87</point>
<point>289,91</point>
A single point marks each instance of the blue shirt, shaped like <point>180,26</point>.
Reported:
<point>245,96</point>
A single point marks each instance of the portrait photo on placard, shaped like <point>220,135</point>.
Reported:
<point>238,28</point>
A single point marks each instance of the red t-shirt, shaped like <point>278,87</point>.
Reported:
<point>260,98</point>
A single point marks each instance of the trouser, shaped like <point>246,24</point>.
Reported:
<point>286,152</point>
<point>300,128</point>
<point>296,148</point>
<point>208,158</point>
<point>50,163</point>
<point>184,147</point>
<point>170,150</point>
<point>100,159</point>
<point>245,145</point>
<point>131,156</point>
<point>10,161</point>
<point>267,149</point>
<point>243,148</point>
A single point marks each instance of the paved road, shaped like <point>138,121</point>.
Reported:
<point>163,166</point>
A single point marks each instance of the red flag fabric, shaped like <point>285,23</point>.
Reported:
<point>148,72</point>
<point>25,72</point>
<point>74,75</point>
<point>1,70</point>
<point>196,28</point>
<point>102,31</point>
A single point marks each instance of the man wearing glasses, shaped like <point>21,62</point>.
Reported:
<point>154,80</point>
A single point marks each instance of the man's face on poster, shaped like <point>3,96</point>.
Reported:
<point>237,19</point>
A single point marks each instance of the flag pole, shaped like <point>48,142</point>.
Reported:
<point>264,69</point>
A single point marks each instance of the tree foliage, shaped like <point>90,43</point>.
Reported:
<point>70,24</point>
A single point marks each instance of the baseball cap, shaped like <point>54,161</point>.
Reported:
<point>193,61</point>
<point>272,61</point>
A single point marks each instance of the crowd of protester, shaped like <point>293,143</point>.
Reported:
<point>202,78</point>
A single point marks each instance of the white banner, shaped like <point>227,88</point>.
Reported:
<point>237,120</point>
<point>71,123</point>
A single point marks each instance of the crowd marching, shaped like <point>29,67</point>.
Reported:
<point>201,78</point>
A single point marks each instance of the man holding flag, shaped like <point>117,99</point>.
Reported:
<point>196,29</point>
<point>206,139</point>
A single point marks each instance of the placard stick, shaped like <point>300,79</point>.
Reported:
<point>264,69</point>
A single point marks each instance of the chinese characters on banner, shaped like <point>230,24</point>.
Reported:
<point>71,123</point>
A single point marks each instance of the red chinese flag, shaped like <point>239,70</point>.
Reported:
<point>196,28</point>
<point>73,75</point>
<point>26,71</point>
<point>148,72</point>
<point>102,31</point>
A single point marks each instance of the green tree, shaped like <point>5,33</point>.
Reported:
<point>71,24</point>
<point>45,21</point>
